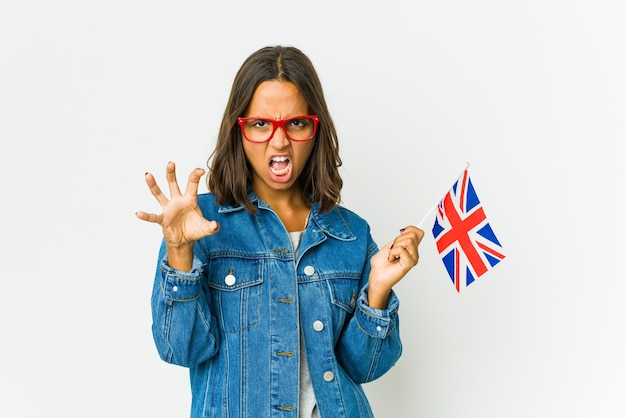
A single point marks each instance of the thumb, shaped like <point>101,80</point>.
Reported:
<point>212,227</point>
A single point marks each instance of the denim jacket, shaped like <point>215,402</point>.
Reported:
<point>236,318</point>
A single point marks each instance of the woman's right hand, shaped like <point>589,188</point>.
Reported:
<point>182,221</point>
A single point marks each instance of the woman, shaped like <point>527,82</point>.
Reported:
<point>272,294</point>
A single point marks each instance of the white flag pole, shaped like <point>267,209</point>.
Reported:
<point>419,225</point>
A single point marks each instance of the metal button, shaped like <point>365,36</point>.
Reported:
<point>318,325</point>
<point>175,289</point>
<point>230,280</point>
<point>379,328</point>
<point>309,270</point>
<point>329,376</point>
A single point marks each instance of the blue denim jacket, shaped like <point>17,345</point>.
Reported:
<point>235,319</point>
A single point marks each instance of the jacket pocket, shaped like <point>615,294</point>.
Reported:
<point>343,292</point>
<point>235,285</point>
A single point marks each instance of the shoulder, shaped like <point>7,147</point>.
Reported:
<point>358,227</point>
<point>211,208</point>
<point>207,203</point>
<point>341,223</point>
<point>350,216</point>
<point>206,198</point>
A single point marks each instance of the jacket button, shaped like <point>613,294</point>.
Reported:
<point>318,325</point>
<point>309,270</point>
<point>175,289</point>
<point>230,280</point>
<point>329,376</point>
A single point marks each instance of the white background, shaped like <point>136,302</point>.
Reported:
<point>531,93</point>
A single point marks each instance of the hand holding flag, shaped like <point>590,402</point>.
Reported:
<point>391,264</point>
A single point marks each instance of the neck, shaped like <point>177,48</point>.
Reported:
<point>290,207</point>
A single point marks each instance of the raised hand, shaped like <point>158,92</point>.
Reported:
<point>182,221</point>
<point>391,264</point>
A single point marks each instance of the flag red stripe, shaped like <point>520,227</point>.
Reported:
<point>463,184</point>
<point>490,250</point>
<point>459,232</point>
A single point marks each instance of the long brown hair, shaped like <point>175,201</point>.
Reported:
<point>229,173</point>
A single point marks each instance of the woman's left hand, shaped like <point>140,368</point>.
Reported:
<point>391,264</point>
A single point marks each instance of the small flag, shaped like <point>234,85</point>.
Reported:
<point>467,244</point>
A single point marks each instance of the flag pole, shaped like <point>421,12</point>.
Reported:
<point>432,208</point>
<point>419,225</point>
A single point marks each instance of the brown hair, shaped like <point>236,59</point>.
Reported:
<point>229,173</point>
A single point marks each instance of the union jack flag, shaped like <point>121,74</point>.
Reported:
<point>465,240</point>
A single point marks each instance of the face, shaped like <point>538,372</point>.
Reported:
<point>277,163</point>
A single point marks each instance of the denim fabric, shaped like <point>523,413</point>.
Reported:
<point>235,319</point>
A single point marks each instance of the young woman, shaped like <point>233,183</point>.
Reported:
<point>273,295</point>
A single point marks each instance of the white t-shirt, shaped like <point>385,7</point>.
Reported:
<point>308,403</point>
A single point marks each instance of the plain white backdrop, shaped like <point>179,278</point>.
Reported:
<point>531,93</point>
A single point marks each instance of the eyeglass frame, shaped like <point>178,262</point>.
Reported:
<point>280,123</point>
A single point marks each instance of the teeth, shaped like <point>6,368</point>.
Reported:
<point>280,159</point>
<point>280,172</point>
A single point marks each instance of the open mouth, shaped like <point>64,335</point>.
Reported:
<point>280,165</point>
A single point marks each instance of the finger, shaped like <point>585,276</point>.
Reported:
<point>408,253</point>
<point>155,189</point>
<point>396,252</point>
<point>413,254</point>
<point>405,240</point>
<point>170,176</point>
<point>391,253</point>
<point>406,244</point>
<point>409,237</point>
<point>419,233</point>
<point>194,181</point>
<point>149,217</point>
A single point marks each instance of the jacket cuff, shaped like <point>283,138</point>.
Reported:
<point>377,323</point>
<point>179,285</point>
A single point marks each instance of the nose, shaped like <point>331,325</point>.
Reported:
<point>279,139</point>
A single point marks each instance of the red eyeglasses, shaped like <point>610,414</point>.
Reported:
<point>297,128</point>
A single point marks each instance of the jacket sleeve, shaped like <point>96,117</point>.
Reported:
<point>370,344</point>
<point>184,330</point>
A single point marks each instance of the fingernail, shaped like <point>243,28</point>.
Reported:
<point>402,230</point>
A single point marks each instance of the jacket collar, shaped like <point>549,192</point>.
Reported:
<point>330,223</point>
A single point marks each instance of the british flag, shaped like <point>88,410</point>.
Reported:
<point>467,244</point>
